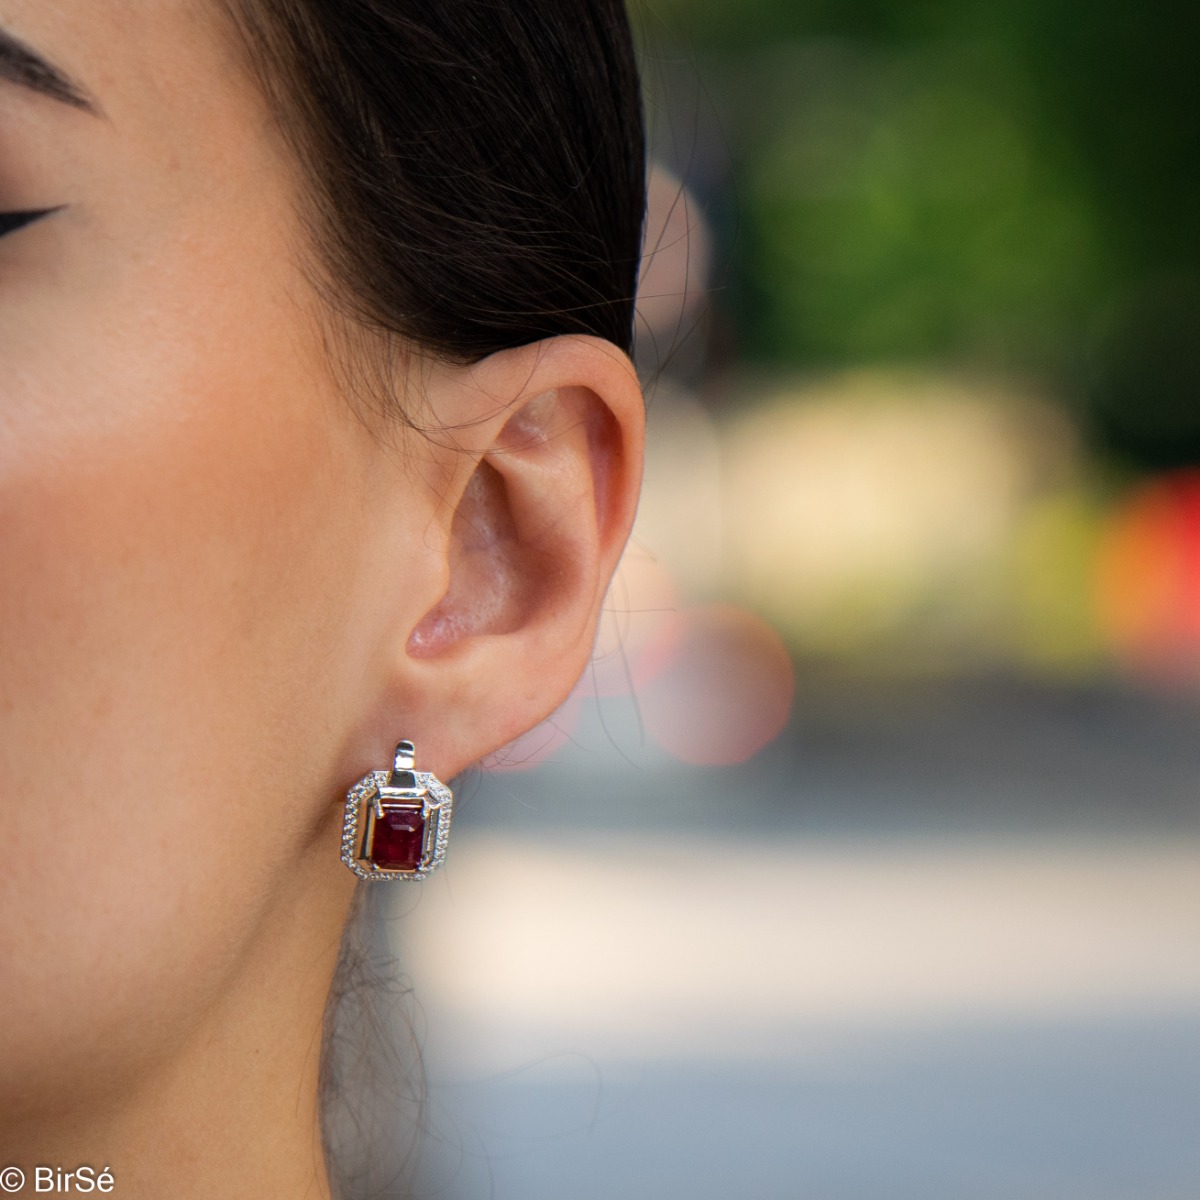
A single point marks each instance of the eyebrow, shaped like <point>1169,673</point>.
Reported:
<point>26,68</point>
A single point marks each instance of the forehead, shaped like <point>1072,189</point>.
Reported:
<point>149,67</point>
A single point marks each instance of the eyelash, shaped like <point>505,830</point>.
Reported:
<point>10,222</point>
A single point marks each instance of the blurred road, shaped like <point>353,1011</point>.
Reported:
<point>938,942</point>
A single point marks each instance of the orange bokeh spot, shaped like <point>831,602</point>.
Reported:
<point>1148,578</point>
<point>715,686</point>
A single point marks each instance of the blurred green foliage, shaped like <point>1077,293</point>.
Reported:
<point>1008,186</point>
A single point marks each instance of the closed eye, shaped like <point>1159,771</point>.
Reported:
<point>10,222</point>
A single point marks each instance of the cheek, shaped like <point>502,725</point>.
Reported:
<point>175,546</point>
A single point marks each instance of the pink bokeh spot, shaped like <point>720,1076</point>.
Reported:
<point>716,686</point>
<point>534,747</point>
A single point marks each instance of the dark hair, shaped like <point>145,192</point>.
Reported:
<point>475,167</point>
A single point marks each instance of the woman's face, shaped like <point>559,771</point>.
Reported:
<point>224,592</point>
<point>187,523</point>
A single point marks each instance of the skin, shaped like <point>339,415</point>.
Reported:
<point>224,595</point>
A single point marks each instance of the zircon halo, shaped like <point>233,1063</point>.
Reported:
<point>396,825</point>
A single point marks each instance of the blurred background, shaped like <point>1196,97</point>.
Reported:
<point>865,862</point>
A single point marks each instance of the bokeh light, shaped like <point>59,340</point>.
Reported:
<point>1148,579</point>
<point>716,685</point>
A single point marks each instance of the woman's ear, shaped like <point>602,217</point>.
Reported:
<point>548,439</point>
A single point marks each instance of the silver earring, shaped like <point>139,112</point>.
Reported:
<point>397,823</point>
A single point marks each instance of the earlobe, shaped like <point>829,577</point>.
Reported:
<point>535,535</point>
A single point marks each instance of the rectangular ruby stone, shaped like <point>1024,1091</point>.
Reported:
<point>398,841</point>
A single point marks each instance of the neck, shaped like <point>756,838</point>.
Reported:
<point>234,1110</point>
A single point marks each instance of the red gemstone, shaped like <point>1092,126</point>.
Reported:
<point>398,841</point>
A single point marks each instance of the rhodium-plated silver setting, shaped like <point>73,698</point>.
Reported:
<point>379,794</point>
